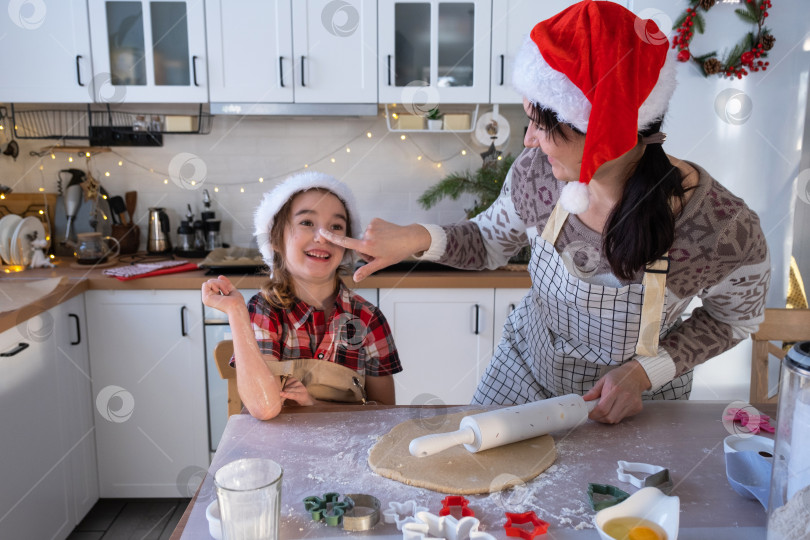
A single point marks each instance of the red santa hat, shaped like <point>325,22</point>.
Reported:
<point>603,70</point>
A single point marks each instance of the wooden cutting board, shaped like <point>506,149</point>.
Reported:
<point>40,205</point>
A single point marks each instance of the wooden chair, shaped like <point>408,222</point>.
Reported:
<point>222,355</point>
<point>786,325</point>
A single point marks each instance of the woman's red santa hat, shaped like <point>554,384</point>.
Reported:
<point>603,70</point>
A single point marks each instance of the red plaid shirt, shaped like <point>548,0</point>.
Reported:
<point>356,335</point>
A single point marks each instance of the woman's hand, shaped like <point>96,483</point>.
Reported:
<point>383,244</point>
<point>619,393</point>
<point>221,294</point>
<point>296,391</point>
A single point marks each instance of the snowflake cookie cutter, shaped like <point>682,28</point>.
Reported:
<point>402,513</point>
<point>327,508</point>
<point>540,526</point>
<point>430,526</point>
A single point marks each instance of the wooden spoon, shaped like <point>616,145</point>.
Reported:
<point>131,198</point>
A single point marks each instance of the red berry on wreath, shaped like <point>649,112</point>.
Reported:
<point>684,56</point>
<point>747,57</point>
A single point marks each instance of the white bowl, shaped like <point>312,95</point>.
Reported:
<point>648,503</point>
<point>748,443</point>
<point>214,522</point>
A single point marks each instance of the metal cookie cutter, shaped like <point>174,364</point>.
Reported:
<point>407,510</point>
<point>456,501</point>
<point>603,496</point>
<point>429,525</point>
<point>540,526</point>
<point>626,470</point>
<point>357,520</point>
<point>327,508</point>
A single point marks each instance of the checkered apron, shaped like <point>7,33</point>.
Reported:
<point>567,333</point>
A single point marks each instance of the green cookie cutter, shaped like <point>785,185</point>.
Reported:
<point>327,508</point>
<point>603,496</point>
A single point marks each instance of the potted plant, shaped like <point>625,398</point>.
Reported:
<point>434,119</point>
<point>484,183</point>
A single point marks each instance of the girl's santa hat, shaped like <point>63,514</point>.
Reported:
<point>603,70</point>
<point>273,200</point>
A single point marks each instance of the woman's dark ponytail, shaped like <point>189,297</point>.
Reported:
<point>641,228</point>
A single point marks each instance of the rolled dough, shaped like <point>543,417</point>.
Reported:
<point>456,470</point>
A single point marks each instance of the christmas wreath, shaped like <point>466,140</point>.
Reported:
<point>744,57</point>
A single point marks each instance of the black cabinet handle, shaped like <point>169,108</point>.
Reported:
<point>389,70</point>
<point>501,70</point>
<point>78,70</point>
<point>511,308</point>
<point>194,69</point>
<point>78,329</point>
<point>183,321</point>
<point>19,348</point>
<point>281,70</point>
<point>477,310</point>
<point>302,71</point>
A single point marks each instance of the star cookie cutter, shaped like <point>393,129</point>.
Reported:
<point>603,496</point>
<point>429,526</point>
<point>327,508</point>
<point>402,513</point>
<point>453,501</point>
<point>540,526</point>
<point>629,472</point>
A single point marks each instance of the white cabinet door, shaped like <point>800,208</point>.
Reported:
<point>250,54</point>
<point>76,405</point>
<point>46,53</point>
<point>149,51</point>
<point>444,339</point>
<point>512,20</point>
<point>441,45</point>
<point>33,500</point>
<point>147,362</point>
<point>335,47</point>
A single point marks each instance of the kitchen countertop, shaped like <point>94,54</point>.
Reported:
<point>322,452</point>
<point>76,280</point>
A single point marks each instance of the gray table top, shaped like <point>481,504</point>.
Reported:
<point>328,451</point>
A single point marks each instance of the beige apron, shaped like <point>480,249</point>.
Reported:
<point>567,333</point>
<point>323,380</point>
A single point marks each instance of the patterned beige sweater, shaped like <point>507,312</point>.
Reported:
<point>719,255</point>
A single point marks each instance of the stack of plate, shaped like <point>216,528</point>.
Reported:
<point>16,235</point>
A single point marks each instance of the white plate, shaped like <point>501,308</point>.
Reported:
<point>28,230</point>
<point>8,224</point>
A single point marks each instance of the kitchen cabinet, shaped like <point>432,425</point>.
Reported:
<point>34,500</point>
<point>148,366</point>
<point>46,53</point>
<point>444,338</point>
<point>284,51</point>
<point>76,406</point>
<point>149,51</point>
<point>434,51</point>
<point>512,20</point>
<point>505,302</point>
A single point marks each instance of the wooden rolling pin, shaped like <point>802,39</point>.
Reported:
<point>487,430</point>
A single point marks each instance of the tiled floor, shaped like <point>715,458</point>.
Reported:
<point>131,519</point>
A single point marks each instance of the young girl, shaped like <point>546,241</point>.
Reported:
<point>304,311</point>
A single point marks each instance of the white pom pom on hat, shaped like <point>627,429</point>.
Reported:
<point>274,199</point>
<point>603,70</point>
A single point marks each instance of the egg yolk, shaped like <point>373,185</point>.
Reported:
<point>642,533</point>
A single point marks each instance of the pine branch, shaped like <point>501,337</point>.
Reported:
<point>746,16</point>
<point>700,23</point>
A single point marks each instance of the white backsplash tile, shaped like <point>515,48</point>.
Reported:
<point>383,171</point>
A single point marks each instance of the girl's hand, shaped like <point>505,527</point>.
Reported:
<point>619,393</point>
<point>296,391</point>
<point>221,294</point>
<point>383,244</point>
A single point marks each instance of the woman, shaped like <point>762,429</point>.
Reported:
<point>623,236</point>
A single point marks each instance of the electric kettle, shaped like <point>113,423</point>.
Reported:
<point>157,239</point>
